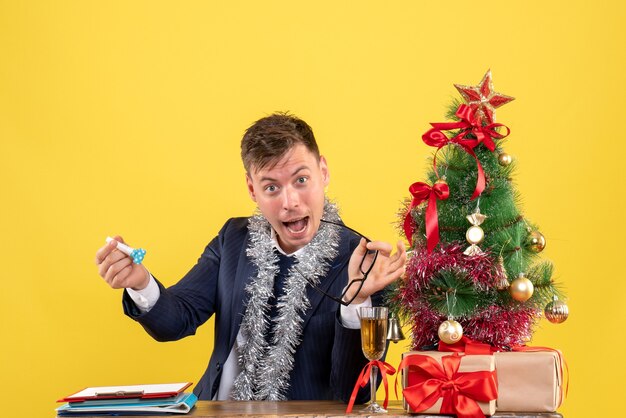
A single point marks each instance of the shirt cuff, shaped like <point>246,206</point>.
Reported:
<point>146,298</point>
<point>350,314</point>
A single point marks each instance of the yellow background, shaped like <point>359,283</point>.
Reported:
<point>125,117</point>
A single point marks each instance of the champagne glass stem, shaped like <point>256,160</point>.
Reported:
<point>373,376</point>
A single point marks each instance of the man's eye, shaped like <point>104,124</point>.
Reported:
<point>302,180</point>
<point>270,188</point>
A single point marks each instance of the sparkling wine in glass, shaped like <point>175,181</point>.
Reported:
<point>373,343</point>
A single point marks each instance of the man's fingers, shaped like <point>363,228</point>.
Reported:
<point>109,260</point>
<point>361,249</point>
<point>397,270</point>
<point>396,262</point>
<point>401,248</point>
<point>382,247</point>
<point>398,259</point>
<point>390,267</point>
<point>116,268</point>
<point>119,281</point>
<point>103,252</point>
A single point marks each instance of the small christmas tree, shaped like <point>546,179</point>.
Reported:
<point>473,269</point>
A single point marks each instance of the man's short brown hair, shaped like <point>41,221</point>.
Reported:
<point>270,138</point>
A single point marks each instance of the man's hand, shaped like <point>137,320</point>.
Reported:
<point>386,269</point>
<point>118,269</point>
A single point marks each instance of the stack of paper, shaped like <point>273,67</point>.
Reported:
<point>129,400</point>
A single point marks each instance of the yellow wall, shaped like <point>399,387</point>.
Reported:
<point>125,117</point>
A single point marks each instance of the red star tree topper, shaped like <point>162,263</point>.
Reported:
<point>483,99</point>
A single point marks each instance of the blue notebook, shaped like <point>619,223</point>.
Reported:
<point>179,404</point>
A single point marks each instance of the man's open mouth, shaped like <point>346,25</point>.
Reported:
<point>297,226</point>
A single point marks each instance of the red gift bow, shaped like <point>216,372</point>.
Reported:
<point>422,192</point>
<point>469,124</point>
<point>364,377</point>
<point>461,392</point>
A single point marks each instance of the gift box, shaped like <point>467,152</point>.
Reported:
<point>529,381</point>
<point>449,383</point>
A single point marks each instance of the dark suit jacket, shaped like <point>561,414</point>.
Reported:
<point>327,361</point>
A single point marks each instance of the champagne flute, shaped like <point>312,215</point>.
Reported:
<point>373,343</point>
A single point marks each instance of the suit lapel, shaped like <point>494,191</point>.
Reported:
<point>246,272</point>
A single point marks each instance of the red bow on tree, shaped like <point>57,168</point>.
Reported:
<point>472,133</point>
<point>460,392</point>
<point>422,192</point>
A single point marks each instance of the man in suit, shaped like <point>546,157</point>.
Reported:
<point>284,285</point>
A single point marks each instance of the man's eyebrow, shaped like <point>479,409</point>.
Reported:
<point>296,171</point>
<point>302,167</point>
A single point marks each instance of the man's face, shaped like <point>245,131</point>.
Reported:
<point>290,194</point>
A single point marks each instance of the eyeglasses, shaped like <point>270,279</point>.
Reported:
<point>365,267</point>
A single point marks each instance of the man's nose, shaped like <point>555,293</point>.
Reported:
<point>291,199</point>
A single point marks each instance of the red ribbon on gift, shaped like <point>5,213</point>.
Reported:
<point>468,346</point>
<point>461,392</point>
<point>470,124</point>
<point>422,192</point>
<point>364,377</point>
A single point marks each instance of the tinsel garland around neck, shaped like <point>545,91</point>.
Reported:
<point>265,367</point>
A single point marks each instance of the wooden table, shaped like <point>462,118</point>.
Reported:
<point>311,409</point>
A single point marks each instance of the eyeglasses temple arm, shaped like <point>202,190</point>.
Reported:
<point>347,227</point>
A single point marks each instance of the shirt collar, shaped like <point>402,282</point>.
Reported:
<point>280,250</point>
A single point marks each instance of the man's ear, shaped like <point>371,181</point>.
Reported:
<point>250,187</point>
<point>324,170</point>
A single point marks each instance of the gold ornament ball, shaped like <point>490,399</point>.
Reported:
<point>475,235</point>
<point>504,159</point>
<point>521,289</point>
<point>556,311</point>
<point>450,331</point>
<point>536,241</point>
